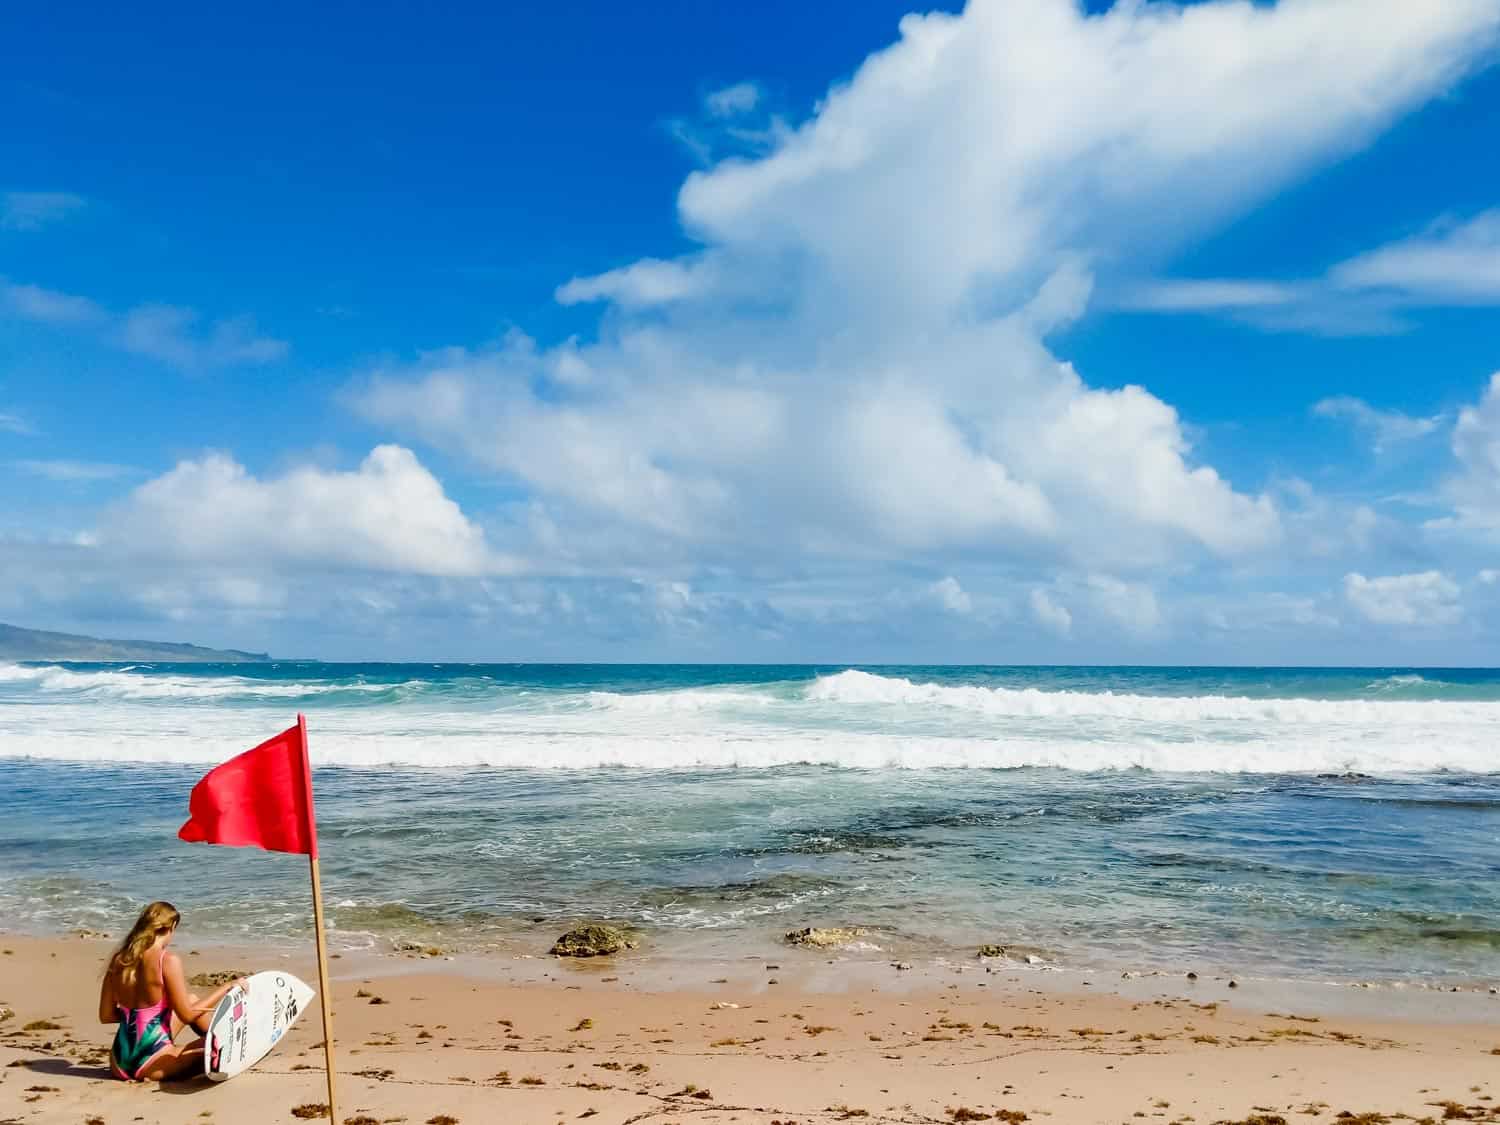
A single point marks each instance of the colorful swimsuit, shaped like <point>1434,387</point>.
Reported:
<point>143,1035</point>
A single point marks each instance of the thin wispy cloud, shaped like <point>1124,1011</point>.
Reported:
<point>1384,429</point>
<point>49,306</point>
<point>1451,262</point>
<point>177,336</point>
<point>33,210</point>
<point>731,121</point>
<point>650,282</point>
<point>1207,294</point>
<point>74,472</point>
<point>731,101</point>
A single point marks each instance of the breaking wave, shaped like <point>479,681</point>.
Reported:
<point>851,719</point>
<point>856,688</point>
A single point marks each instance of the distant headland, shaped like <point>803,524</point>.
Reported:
<point>35,644</point>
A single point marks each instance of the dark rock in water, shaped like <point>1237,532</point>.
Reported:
<point>1349,775</point>
<point>1234,984</point>
<point>825,937</point>
<point>593,941</point>
<point>1192,976</point>
<point>417,949</point>
<point>216,978</point>
<point>1029,955</point>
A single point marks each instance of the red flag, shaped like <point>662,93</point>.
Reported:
<point>262,799</point>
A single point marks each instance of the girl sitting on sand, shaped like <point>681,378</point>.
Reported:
<point>145,992</point>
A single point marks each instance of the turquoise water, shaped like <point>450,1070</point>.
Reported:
<point>1298,823</point>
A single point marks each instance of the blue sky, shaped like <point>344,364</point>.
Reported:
<point>1024,333</point>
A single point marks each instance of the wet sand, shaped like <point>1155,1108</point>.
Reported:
<point>795,1040</point>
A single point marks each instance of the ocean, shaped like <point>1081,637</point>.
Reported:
<point>1330,824</point>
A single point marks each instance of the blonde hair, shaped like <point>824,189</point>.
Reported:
<point>157,919</point>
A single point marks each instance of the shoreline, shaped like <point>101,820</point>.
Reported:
<point>673,960</point>
<point>422,1036</point>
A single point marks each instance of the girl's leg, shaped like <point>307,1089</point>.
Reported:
<point>176,1062</point>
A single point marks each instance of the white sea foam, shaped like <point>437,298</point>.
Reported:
<point>505,750</point>
<point>128,683</point>
<point>685,699</point>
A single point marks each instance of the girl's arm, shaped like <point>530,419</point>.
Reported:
<point>189,1008</point>
<point>107,1013</point>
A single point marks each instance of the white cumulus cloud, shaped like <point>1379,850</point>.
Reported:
<point>1425,598</point>
<point>1474,490</point>
<point>847,355</point>
<point>390,514</point>
<point>951,596</point>
<point>854,364</point>
<point>1131,604</point>
<point>1050,614</point>
<point>982,144</point>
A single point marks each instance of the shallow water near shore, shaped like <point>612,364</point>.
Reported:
<point>1126,818</point>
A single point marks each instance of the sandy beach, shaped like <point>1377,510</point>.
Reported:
<point>762,563</point>
<point>805,1039</point>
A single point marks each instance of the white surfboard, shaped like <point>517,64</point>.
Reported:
<point>246,1025</point>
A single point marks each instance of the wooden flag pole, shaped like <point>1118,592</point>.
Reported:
<point>325,993</point>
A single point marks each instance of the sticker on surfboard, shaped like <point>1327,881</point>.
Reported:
<point>246,1025</point>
